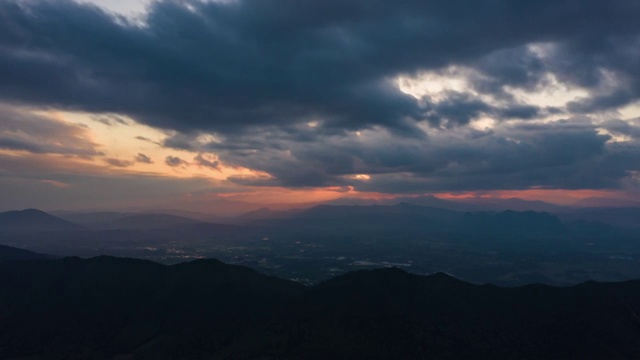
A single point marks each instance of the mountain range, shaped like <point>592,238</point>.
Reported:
<point>32,220</point>
<point>427,207</point>
<point>314,244</point>
<point>111,307</point>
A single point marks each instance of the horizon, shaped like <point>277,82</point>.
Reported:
<point>465,204</point>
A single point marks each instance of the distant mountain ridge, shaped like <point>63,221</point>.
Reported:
<point>150,221</point>
<point>104,307</point>
<point>102,218</point>
<point>407,217</point>
<point>128,221</point>
<point>462,204</point>
<point>32,220</point>
<point>514,222</point>
<point>624,217</point>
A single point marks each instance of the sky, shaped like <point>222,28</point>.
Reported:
<point>197,104</point>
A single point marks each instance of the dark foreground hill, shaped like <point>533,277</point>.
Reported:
<point>105,307</point>
<point>10,253</point>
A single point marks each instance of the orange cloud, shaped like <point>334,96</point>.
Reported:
<point>58,184</point>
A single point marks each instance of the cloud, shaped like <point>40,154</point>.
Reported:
<point>227,66</point>
<point>175,161</point>
<point>118,162</point>
<point>143,159</point>
<point>23,130</point>
<point>208,161</point>
<point>124,7</point>
<point>146,139</point>
<point>569,154</point>
<point>109,120</point>
<point>57,184</point>
<point>307,92</point>
<point>628,128</point>
<point>8,143</point>
<point>35,180</point>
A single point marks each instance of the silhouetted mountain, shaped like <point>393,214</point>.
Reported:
<point>112,219</point>
<point>33,220</point>
<point>514,204</point>
<point>265,214</point>
<point>463,204</point>
<point>214,206</point>
<point>408,218</point>
<point>204,217</point>
<point>388,313</point>
<point>149,221</point>
<point>339,211</point>
<point>513,222</point>
<point>620,217</point>
<point>91,219</point>
<point>103,307</point>
<point>600,202</point>
<point>374,218</point>
<point>8,253</point>
<point>590,228</point>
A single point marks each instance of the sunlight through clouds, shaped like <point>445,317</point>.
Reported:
<point>129,8</point>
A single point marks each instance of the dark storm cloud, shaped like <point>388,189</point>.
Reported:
<point>518,66</point>
<point>628,128</point>
<point>460,109</point>
<point>609,66</point>
<point>226,66</point>
<point>287,85</point>
<point>570,154</point>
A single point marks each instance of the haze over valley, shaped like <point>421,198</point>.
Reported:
<point>503,247</point>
